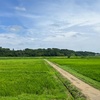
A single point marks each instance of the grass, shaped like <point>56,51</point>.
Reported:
<point>30,79</point>
<point>86,69</point>
<point>75,92</point>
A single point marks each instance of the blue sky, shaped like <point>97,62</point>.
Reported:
<point>71,24</point>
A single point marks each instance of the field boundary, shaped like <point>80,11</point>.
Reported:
<point>90,92</point>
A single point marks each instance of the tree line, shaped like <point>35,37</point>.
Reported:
<point>6,52</point>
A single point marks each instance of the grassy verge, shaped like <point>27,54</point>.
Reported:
<point>75,92</point>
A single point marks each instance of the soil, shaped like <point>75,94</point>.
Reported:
<point>90,92</point>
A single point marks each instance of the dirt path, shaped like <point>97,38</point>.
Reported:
<point>90,92</point>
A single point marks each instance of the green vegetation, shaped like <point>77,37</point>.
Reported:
<point>86,69</point>
<point>30,79</point>
<point>75,92</point>
<point>6,52</point>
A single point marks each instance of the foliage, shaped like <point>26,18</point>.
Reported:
<point>6,52</point>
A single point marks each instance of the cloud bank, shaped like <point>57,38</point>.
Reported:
<point>72,24</point>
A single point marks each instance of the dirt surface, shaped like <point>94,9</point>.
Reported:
<point>90,92</point>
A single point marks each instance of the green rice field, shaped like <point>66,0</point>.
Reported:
<point>86,69</point>
<point>30,79</point>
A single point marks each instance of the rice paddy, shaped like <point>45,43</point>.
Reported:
<point>30,79</point>
<point>86,69</point>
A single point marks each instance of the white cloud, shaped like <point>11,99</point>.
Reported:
<point>83,19</point>
<point>11,28</point>
<point>14,28</point>
<point>61,37</point>
<point>61,24</point>
<point>96,28</point>
<point>14,39</point>
<point>20,8</point>
<point>27,15</point>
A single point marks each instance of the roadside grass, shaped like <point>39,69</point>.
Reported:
<point>30,79</point>
<point>75,92</point>
<point>87,70</point>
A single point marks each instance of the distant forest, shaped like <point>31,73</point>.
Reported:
<point>6,52</point>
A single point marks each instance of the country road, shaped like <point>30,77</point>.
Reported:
<point>90,92</point>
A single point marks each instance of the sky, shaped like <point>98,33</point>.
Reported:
<point>67,24</point>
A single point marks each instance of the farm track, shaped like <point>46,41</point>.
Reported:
<point>90,92</point>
